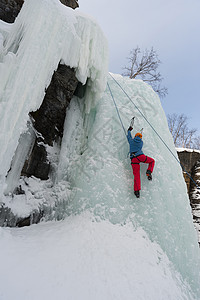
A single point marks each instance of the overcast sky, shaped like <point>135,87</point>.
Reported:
<point>172,28</point>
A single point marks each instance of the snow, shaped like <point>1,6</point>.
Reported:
<point>187,150</point>
<point>80,258</point>
<point>108,244</point>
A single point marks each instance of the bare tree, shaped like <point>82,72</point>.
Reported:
<point>145,65</point>
<point>183,136</point>
<point>197,143</point>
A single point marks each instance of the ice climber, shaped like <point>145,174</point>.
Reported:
<point>137,156</point>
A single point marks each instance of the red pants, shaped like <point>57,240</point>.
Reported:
<point>135,162</point>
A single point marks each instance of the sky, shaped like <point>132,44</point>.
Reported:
<point>172,28</point>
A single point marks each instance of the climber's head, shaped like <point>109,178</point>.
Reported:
<point>138,134</point>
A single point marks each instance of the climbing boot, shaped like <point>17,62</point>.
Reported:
<point>149,176</point>
<point>137,194</point>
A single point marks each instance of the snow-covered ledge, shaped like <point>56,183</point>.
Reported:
<point>187,150</point>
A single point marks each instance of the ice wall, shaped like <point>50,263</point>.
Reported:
<point>103,177</point>
<point>43,35</point>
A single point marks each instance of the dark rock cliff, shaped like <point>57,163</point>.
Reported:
<point>71,3</point>
<point>190,160</point>
<point>48,120</point>
<point>9,9</point>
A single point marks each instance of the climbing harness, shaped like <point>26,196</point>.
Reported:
<point>198,187</point>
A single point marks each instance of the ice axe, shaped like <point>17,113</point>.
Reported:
<point>132,122</point>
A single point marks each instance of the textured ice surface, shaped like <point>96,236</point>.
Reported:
<point>103,176</point>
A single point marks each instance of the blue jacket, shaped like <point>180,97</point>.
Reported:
<point>135,144</point>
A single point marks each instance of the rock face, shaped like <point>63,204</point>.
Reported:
<point>48,120</point>
<point>195,196</point>
<point>37,163</point>
<point>71,3</point>
<point>9,9</point>
<point>196,177</point>
<point>188,160</point>
<point>7,218</point>
<point>191,163</point>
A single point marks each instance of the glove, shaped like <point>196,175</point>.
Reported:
<point>130,128</point>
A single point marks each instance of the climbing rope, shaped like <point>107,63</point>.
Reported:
<point>116,109</point>
<point>198,187</point>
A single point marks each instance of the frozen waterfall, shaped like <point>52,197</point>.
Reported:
<point>107,244</point>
